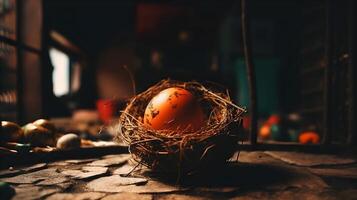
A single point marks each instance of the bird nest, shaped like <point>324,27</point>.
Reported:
<point>184,151</point>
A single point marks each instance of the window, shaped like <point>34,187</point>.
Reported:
<point>61,72</point>
<point>66,73</point>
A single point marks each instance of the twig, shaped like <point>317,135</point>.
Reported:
<point>250,72</point>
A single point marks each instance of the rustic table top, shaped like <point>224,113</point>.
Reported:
<point>256,175</point>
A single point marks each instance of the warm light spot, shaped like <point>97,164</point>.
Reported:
<point>161,98</point>
<point>60,75</point>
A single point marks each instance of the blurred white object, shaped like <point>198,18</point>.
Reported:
<point>69,141</point>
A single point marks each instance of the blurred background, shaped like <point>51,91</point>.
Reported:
<point>82,60</point>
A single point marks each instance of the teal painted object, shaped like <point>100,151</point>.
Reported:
<point>23,148</point>
<point>6,191</point>
<point>275,132</point>
<point>267,76</point>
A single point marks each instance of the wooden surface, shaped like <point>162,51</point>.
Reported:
<point>256,175</point>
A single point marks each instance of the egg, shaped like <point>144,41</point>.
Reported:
<point>11,132</point>
<point>69,141</point>
<point>174,109</point>
<point>45,124</point>
<point>38,135</point>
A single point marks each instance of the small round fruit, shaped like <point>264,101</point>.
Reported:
<point>265,132</point>
<point>309,137</point>
<point>45,124</point>
<point>274,119</point>
<point>68,141</point>
<point>10,132</point>
<point>38,136</point>
<point>174,109</point>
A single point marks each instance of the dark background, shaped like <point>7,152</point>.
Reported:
<point>302,52</point>
<point>214,36</point>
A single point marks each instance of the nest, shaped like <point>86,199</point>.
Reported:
<point>182,152</point>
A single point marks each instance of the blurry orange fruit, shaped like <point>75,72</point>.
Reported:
<point>309,137</point>
<point>274,119</point>
<point>265,132</point>
<point>174,109</point>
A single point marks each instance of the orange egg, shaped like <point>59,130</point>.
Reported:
<point>174,109</point>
